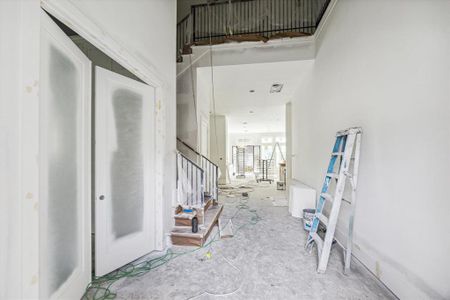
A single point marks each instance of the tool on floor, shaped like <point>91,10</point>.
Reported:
<point>343,166</point>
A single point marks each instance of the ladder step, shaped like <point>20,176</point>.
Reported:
<point>346,200</point>
<point>327,197</point>
<point>333,175</point>
<point>318,241</point>
<point>337,153</point>
<point>322,219</point>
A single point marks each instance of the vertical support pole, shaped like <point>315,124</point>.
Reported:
<point>193,23</point>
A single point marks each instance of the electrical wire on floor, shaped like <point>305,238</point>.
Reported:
<point>242,205</point>
<point>223,294</point>
<point>100,287</point>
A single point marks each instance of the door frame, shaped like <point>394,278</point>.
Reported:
<point>72,17</point>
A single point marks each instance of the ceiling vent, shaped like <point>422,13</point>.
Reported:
<point>276,88</point>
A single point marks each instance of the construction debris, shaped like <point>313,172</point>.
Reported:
<point>225,229</point>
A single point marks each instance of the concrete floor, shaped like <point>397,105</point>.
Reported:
<point>264,260</point>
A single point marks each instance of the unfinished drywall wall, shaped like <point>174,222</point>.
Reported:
<point>194,98</point>
<point>218,144</point>
<point>384,65</point>
<point>288,121</point>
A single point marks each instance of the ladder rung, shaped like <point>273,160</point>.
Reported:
<point>337,153</point>
<point>323,219</point>
<point>332,175</point>
<point>318,241</point>
<point>346,200</point>
<point>327,197</point>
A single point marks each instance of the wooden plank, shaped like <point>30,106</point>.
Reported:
<point>219,209</point>
<point>247,38</point>
<point>293,34</point>
<point>201,212</point>
<point>186,241</point>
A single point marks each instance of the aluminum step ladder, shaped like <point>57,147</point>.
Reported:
<point>343,166</point>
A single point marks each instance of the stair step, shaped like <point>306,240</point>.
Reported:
<point>183,235</point>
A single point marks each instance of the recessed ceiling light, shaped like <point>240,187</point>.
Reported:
<point>251,111</point>
<point>252,91</point>
<point>276,88</point>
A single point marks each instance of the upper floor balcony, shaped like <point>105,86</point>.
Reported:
<point>248,20</point>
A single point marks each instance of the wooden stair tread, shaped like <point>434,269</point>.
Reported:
<point>186,216</point>
<point>183,235</point>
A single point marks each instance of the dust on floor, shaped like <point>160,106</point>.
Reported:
<point>264,260</point>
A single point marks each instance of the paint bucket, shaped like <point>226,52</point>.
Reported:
<point>308,216</point>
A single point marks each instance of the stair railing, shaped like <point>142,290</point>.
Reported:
<point>211,177</point>
<point>184,34</point>
<point>211,187</point>
<point>190,182</point>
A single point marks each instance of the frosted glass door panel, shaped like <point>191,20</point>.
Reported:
<point>127,164</point>
<point>65,165</point>
<point>124,170</point>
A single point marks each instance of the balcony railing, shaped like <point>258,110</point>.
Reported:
<point>263,18</point>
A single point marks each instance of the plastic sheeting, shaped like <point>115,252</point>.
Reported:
<point>190,183</point>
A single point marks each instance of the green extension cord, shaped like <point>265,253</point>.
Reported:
<point>100,287</point>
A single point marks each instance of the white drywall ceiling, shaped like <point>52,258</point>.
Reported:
<point>232,85</point>
<point>263,119</point>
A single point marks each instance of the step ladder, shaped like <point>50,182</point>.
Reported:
<point>343,166</point>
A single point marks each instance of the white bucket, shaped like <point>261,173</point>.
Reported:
<point>308,216</point>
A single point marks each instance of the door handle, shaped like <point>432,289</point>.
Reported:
<point>101,197</point>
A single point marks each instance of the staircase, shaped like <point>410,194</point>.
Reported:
<point>197,197</point>
<point>247,20</point>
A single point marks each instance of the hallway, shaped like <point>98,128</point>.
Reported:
<point>264,260</point>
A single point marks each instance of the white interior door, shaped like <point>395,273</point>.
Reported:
<point>124,174</point>
<point>65,166</point>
